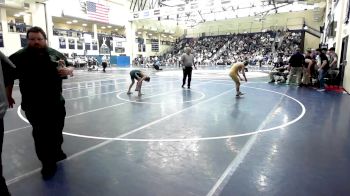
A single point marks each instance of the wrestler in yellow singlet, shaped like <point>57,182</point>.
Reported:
<point>234,74</point>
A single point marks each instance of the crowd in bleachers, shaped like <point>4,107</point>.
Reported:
<point>259,48</point>
<point>273,48</point>
<point>255,47</point>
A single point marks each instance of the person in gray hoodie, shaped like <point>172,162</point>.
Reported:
<point>3,107</point>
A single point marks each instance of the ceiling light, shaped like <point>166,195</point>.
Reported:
<point>74,21</point>
<point>69,22</point>
<point>103,27</point>
<point>139,33</point>
<point>16,15</point>
<point>150,34</point>
<point>84,25</point>
<point>116,29</point>
<point>109,27</point>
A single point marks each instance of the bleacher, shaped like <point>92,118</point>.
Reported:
<point>259,48</point>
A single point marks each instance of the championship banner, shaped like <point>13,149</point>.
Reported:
<point>105,43</point>
<point>94,45</point>
<point>71,44</point>
<point>62,42</point>
<point>80,44</point>
<point>87,46</point>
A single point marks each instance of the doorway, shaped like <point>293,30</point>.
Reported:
<point>343,59</point>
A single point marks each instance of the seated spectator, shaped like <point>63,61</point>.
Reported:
<point>280,70</point>
<point>156,65</point>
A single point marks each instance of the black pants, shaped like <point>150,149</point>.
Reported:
<point>47,132</point>
<point>156,67</point>
<point>187,72</point>
<point>104,65</point>
<point>3,187</point>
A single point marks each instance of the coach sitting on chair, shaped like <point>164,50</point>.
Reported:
<point>281,70</point>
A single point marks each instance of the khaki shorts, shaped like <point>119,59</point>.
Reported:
<point>234,78</point>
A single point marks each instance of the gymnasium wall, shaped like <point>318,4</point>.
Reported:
<point>12,40</point>
<point>156,28</point>
<point>12,43</point>
<point>311,41</point>
<point>293,21</point>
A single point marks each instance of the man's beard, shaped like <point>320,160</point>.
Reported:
<point>37,48</point>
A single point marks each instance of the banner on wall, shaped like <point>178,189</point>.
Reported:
<point>119,50</point>
<point>23,40</point>
<point>94,45</point>
<point>105,43</point>
<point>87,46</point>
<point>119,39</point>
<point>1,41</point>
<point>323,46</point>
<point>71,43</point>
<point>80,44</point>
<point>118,44</point>
<point>62,41</point>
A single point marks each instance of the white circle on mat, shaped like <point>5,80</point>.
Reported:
<point>248,133</point>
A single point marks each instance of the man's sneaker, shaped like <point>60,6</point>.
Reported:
<point>48,171</point>
<point>188,87</point>
<point>183,86</point>
<point>239,94</point>
<point>272,81</point>
<point>321,90</point>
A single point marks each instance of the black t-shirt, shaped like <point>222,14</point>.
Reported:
<point>323,57</point>
<point>297,60</point>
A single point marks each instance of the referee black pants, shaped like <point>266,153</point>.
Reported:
<point>187,72</point>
